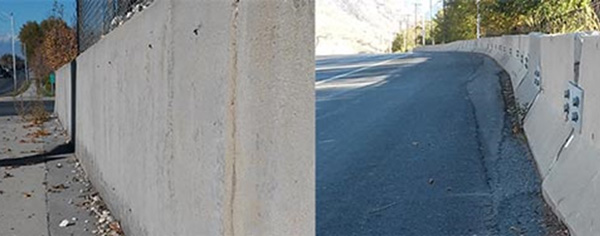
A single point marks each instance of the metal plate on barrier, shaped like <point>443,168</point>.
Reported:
<point>574,105</point>
<point>537,77</point>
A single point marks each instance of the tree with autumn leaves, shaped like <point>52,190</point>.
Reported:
<point>499,17</point>
<point>50,44</point>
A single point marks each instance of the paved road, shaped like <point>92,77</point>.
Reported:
<point>420,144</point>
<point>8,108</point>
<point>7,84</point>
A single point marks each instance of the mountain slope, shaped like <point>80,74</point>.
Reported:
<point>355,26</point>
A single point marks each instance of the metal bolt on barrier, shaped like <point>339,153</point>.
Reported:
<point>576,101</point>
<point>574,105</point>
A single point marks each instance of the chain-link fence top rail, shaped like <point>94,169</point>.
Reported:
<point>98,17</point>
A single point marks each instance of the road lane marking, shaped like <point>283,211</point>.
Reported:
<point>360,69</point>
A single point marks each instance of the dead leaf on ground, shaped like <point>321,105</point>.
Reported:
<point>60,186</point>
<point>7,175</point>
<point>115,226</point>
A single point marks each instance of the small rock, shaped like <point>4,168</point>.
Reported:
<point>74,219</point>
<point>65,223</point>
<point>58,165</point>
<point>431,181</point>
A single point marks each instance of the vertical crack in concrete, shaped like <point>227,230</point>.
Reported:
<point>559,153</point>
<point>170,100</point>
<point>231,157</point>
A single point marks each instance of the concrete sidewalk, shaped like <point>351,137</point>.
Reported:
<point>46,194</point>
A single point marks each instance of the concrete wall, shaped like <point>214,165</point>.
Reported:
<point>62,100</point>
<point>567,157</point>
<point>197,118</point>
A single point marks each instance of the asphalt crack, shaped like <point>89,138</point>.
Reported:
<point>492,219</point>
<point>517,206</point>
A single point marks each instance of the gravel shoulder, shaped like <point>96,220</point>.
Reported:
<point>518,205</point>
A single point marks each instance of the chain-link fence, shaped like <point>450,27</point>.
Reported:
<point>98,17</point>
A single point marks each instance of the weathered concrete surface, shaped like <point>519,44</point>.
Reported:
<point>573,185</point>
<point>589,81</point>
<point>197,118</point>
<point>545,123</point>
<point>62,104</point>
<point>527,90</point>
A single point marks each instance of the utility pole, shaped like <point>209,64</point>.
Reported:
<point>12,36</point>
<point>26,67</point>
<point>478,21</point>
<point>12,26</point>
<point>416,22</point>
<point>423,32</point>
<point>431,21</point>
<point>444,21</point>
<point>406,19</point>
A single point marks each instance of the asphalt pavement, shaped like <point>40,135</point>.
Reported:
<point>10,109</point>
<point>7,84</point>
<point>420,144</point>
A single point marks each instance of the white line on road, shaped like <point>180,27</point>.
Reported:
<point>360,69</point>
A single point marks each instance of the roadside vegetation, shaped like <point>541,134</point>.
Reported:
<point>50,44</point>
<point>458,20</point>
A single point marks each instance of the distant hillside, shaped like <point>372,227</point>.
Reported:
<point>355,26</point>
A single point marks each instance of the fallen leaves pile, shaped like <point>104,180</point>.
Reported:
<point>106,225</point>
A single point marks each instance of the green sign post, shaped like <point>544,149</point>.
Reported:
<point>52,81</point>
<point>52,78</point>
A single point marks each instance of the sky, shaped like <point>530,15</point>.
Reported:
<point>408,7</point>
<point>28,10</point>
